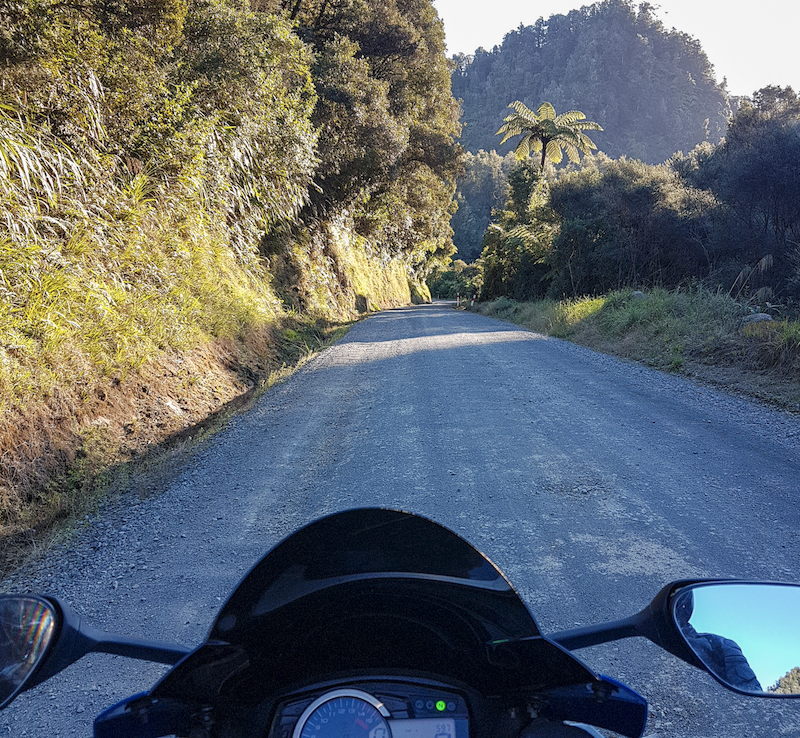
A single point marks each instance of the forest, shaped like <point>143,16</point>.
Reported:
<point>652,89</point>
<point>724,216</point>
<point>716,202</point>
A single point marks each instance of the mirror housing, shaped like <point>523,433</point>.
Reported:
<point>663,622</point>
<point>61,638</point>
<point>28,627</point>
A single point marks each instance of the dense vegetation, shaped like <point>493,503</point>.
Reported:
<point>726,216</point>
<point>180,174</point>
<point>652,89</point>
<point>482,188</point>
<point>386,120</point>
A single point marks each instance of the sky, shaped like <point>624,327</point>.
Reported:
<point>761,620</point>
<point>751,45</point>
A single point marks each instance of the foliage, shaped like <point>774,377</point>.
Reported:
<point>548,133</point>
<point>625,223</point>
<point>229,123</point>
<point>387,122</point>
<point>723,216</point>
<point>252,75</point>
<point>516,243</point>
<point>652,88</point>
<point>463,280</point>
<point>755,175</point>
<point>789,683</point>
<point>481,189</point>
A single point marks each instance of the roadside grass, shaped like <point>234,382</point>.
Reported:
<point>123,329</point>
<point>103,463</point>
<point>138,306</point>
<point>135,434</point>
<point>695,332</point>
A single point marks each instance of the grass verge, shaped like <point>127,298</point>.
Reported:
<point>134,435</point>
<point>695,332</point>
<point>123,332</point>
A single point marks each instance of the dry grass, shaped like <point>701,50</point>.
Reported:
<point>696,333</point>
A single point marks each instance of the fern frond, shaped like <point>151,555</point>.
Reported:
<point>572,151</point>
<point>570,117</point>
<point>587,125</point>
<point>523,111</point>
<point>553,152</point>
<point>523,149</point>
<point>546,111</point>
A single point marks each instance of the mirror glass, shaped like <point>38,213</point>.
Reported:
<point>27,625</point>
<point>747,635</point>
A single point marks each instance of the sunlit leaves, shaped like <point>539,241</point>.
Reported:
<point>548,133</point>
<point>37,173</point>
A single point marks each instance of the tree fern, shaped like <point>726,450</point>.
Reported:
<point>549,134</point>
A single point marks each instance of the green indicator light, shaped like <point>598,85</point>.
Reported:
<point>441,705</point>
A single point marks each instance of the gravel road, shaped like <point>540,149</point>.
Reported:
<point>590,481</point>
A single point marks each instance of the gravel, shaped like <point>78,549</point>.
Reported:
<point>590,481</point>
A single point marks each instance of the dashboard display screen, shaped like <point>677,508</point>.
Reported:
<point>428,728</point>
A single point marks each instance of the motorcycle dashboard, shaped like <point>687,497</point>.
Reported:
<point>373,709</point>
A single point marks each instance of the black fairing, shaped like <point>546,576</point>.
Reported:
<point>367,591</point>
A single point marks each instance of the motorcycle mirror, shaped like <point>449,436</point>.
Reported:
<point>41,636</point>
<point>27,629</point>
<point>744,634</point>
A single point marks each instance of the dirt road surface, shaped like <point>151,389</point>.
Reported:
<point>591,482</point>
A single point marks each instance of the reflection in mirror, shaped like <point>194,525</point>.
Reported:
<point>746,634</point>
<point>26,628</point>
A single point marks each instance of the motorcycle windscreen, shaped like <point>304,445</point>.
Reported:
<point>368,591</point>
<point>367,546</point>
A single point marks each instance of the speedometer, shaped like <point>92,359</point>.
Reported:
<point>344,713</point>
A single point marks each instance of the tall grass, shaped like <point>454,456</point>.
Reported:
<point>111,280</point>
<point>102,271</point>
<point>664,329</point>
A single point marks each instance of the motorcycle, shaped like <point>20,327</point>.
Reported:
<point>377,623</point>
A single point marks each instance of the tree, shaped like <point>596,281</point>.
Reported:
<point>652,88</point>
<point>387,123</point>
<point>516,243</point>
<point>624,223</point>
<point>789,683</point>
<point>481,189</point>
<point>548,133</point>
<point>755,174</point>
